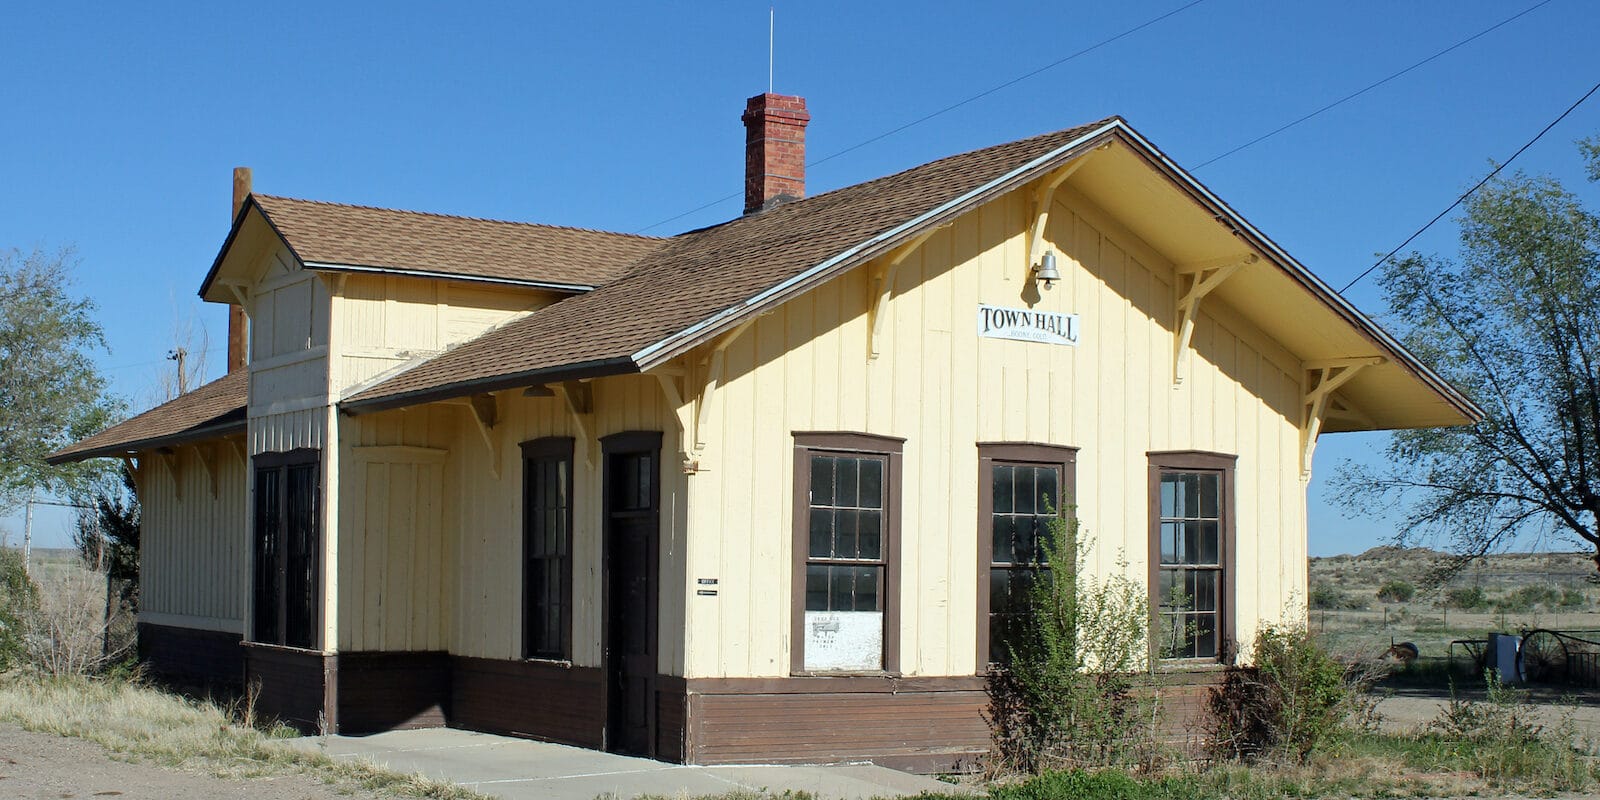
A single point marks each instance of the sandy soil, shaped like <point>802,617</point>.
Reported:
<point>35,765</point>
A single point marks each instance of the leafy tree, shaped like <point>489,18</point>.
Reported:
<point>1396,591</point>
<point>1514,321</point>
<point>50,391</point>
<point>107,530</point>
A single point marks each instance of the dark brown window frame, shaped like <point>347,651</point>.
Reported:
<point>1224,465</point>
<point>1024,453</point>
<point>281,462</point>
<point>554,448</point>
<point>892,449</point>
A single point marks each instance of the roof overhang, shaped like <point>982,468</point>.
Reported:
<point>199,433</point>
<point>253,231</point>
<point>517,380</point>
<point>1187,223</point>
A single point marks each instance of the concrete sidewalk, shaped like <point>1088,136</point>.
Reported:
<point>519,768</point>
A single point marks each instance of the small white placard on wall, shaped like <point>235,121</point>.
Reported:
<point>1026,325</point>
<point>844,640</point>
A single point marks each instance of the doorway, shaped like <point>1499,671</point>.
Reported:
<point>632,534</point>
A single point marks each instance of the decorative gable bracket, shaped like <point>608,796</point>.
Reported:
<point>1195,281</point>
<point>1321,380</point>
<point>692,408</point>
<point>1044,196</point>
<point>486,413</point>
<point>880,284</point>
<point>579,399</point>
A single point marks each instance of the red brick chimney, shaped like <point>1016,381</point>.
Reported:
<point>774,150</point>
<point>238,324</point>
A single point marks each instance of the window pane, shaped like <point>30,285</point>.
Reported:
<point>841,589</point>
<point>999,590</point>
<point>1203,588</point>
<point>845,489</point>
<point>300,532</point>
<point>1169,496</point>
<point>866,594</point>
<point>1022,484</point>
<point>871,483</point>
<point>816,588</point>
<point>1190,547</point>
<point>1209,495</point>
<point>1049,491</point>
<point>1210,542</point>
<point>1004,540</point>
<point>870,535</point>
<point>821,481</point>
<point>1204,627</point>
<point>1002,489</point>
<point>267,554</point>
<point>1191,495</point>
<point>1169,542</point>
<point>822,525</point>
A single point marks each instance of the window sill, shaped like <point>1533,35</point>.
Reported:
<point>562,663</point>
<point>1191,665</point>
<point>284,648</point>
<point>867,673</point>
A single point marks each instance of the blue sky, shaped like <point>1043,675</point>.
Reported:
<point>123,121</point>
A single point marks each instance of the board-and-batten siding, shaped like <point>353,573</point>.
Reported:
<point>289,338</point>
<point>384,321</point>
<point>488,615</point>
<point>938,385</point>
<point>480,574</point>
<point>192,550</point>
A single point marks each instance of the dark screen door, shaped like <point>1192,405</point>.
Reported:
<point>631,551</point>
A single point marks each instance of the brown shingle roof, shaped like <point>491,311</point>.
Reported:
<point>215,409</point>
<point>409,241</point>
<point>700,274</point>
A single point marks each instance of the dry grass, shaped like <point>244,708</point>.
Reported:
<point>140,722</point>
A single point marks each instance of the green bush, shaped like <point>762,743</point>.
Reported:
<point>1331,598</point>
<point>1294,699</point>
<point>1572,598</point>
<point>1466,598</point>
<point>18,598</point>
<point>1528,598</point>
<point>1071,694</point>
<point>1396,591</point>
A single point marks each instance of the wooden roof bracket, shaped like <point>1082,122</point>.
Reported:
<point>132,463</point>
<point>692,409</point>
<point>1201,277</point>
<point>579,399</point>
<point>881,284</point>
<point>208,457</point>
<point>169,459</point>
<point>486,412</point>
<point>1044,195</point>
<point>1320,380</point>
<point>241,293</point>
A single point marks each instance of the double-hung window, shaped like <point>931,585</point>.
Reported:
<point>1024,489</point>
<point>547,548</point>
<point>846,543</point>
<point>287,533</point>
<point>1191,552</point>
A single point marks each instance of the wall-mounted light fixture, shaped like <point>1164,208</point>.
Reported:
<point>1045,271</point>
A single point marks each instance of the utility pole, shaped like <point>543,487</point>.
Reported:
<point>27,539</point>
<point>180,355</point>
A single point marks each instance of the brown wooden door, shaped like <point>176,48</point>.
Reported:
<point>632,528</point>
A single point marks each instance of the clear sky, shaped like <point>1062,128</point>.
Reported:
<point>122,122</point>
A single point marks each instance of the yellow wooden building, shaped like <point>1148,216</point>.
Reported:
<point>756,492</point>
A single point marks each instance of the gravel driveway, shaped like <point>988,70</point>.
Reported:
<point>38,765</point>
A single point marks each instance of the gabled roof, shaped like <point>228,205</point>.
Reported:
<point>211,411</point>
<point>703,280</point>
<point>347,238</point>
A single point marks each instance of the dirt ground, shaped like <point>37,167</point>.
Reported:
<point>37,766</point>
<point>1407,710</point>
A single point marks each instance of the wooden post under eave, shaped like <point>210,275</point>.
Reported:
<point>238,324</point>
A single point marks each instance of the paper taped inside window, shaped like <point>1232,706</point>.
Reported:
<point>844,640</point>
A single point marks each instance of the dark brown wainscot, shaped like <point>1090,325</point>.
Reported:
<point>537,699</point>
<point>191,657</point>
<point>293,686</point>
<point>392,691</point>
<point>920,724</point>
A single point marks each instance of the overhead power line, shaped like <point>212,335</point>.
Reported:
<point>953,106</point>
<point>1469,192</point>
<point>1369,87</point>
